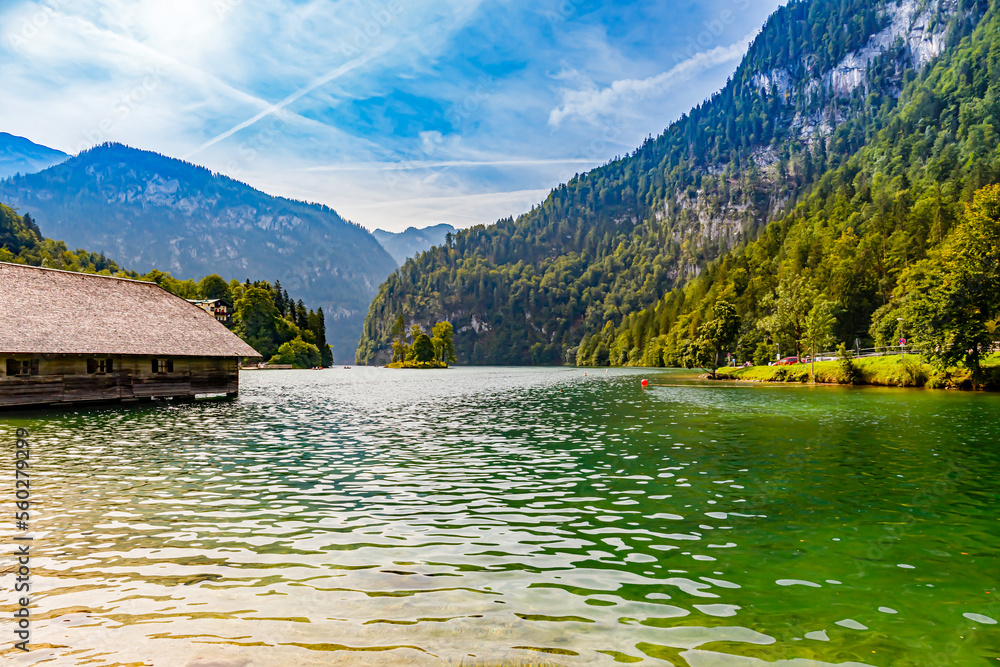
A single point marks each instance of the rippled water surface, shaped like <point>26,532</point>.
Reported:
<point>514,516</point>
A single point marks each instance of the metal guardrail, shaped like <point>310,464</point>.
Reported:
<point>867,352</point>
<point>858,353</point>
<point>891,350</point>
<point>863,352</point>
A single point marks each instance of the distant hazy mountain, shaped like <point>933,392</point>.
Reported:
<point>21,156</point>
<point>149,212</point>
<point>412,242</point>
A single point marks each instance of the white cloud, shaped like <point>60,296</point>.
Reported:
<point>590,103</point>
<point>446,164</point>
<point>434,112</point>
<point>81,82</point>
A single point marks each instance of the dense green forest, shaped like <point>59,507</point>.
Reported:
<point>278,327</point>
<point>864,239</point>
<point>780,182</point>
<point>265,316</point>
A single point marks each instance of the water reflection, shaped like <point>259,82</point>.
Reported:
<point>503,516</point>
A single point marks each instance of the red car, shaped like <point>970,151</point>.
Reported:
<point>788,361</point>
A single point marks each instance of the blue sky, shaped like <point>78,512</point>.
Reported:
<point>395,113</point>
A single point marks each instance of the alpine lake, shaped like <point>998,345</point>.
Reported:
<point>500,516</point>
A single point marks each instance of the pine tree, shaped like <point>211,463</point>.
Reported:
<point>29,222</point>
<point>301,315</point>
<point>279,297</point>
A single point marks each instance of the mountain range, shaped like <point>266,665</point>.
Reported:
<point>842,148</point>
<point>413,241</point>
<point>148,211</point>
<point>22,156</point>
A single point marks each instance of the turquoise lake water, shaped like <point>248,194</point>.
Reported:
<point>514,516</point>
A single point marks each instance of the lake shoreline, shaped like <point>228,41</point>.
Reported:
<point>722,377</point>
<point>907,371</point>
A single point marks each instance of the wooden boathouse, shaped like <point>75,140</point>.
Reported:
<point>69,338</point>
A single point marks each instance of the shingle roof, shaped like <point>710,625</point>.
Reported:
<point>46,311</point>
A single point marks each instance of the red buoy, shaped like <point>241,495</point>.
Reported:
<point>644,383</point>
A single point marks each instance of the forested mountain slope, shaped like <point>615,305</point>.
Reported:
<point>22,241</point>
<point>819,83</point>
<point>868,239</point>
<point>150,212</point>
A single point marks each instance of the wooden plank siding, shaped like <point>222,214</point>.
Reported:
<point>63,379</point>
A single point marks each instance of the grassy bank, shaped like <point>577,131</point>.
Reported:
<point>893,371</point>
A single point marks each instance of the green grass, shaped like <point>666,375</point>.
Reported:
<point>890,371</point>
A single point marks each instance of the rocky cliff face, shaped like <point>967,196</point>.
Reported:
<point>920,27</point>
<point>915,33</point>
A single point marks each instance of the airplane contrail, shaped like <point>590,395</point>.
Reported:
<point>278,106</point>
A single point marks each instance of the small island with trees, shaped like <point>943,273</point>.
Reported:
<point>422,351</point>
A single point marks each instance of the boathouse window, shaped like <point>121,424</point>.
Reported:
<point>100,366</point>
<point>23,368</point>
<point>163,365</point>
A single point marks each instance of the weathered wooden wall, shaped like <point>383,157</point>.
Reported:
<point>64,379</point>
